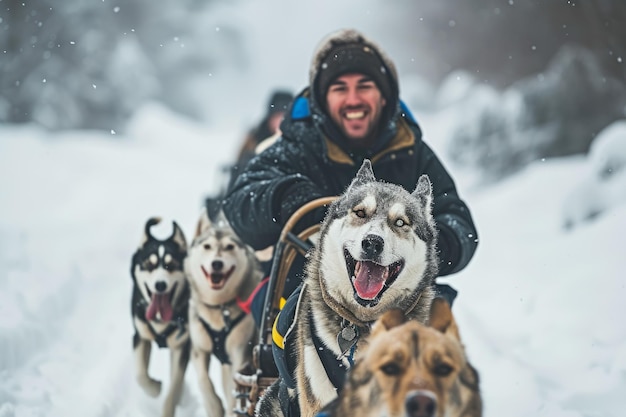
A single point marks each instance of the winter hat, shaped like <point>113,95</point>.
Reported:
<point>279,102</point>
<point>348,51</point>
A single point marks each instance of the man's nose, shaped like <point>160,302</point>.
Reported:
<point>353,96</point>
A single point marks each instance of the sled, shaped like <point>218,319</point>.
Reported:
<point>251,382</point>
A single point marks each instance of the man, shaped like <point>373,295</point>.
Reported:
<point>270,125</point>
<point>350,111</point>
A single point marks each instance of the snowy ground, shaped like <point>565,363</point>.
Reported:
<point>541,308</point>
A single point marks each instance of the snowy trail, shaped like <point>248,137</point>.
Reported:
<point>66,244</point>
<point>539,308</point>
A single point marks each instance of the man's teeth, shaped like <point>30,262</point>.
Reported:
<point>355,115</point>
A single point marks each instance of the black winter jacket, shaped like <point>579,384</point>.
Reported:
<point>304,164</point>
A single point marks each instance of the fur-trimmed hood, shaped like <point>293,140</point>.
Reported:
<point>347,37</point>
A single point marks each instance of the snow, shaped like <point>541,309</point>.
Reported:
<point>540,306</point>
<point>603,184</point>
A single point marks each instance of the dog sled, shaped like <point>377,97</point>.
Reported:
<point>251,382</point>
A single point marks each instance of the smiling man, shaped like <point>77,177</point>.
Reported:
<point>355,104</point>
<point>350,111</point>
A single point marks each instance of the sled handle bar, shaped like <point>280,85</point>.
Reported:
<point>284,255</point>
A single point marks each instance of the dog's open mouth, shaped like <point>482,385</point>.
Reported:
<point>217,279</point>
<point>369,279</point>
<point>160,307</point>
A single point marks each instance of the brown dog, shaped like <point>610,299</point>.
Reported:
<point>410,370</point>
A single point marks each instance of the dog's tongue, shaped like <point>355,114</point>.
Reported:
<point>160,303</point>
<point>369,279</point>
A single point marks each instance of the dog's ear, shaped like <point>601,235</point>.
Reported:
<point>203,222</point>
<point>424,193</point>
<point>146,236</point>
<point>179,237</point>
<point>213,206</point>
<point>390,319</point>
<point>442,319</point>
<point>440,315</point>
<point>220,219</point>
<point>363,176</point>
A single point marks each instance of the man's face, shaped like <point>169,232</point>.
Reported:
<point>274,121</point>
<point>355,104</point>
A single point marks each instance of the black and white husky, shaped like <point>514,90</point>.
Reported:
<point>223,273</point>
<point>159,309</point>
<point>376,252</point>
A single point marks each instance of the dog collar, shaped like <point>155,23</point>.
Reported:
<point>347,339</point>
<point>244,305</point>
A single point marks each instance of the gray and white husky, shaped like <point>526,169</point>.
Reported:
<point>376,252</point>
<point>159,309</point>
<point>223,273</point>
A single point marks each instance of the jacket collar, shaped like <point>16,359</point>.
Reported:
<point>403,138</point>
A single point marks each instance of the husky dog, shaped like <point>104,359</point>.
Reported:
<point>407,369</point>
<point>223,273</point>
<point>376,252</point>
<point>159,309</point>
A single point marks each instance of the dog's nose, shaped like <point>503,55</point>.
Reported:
<point>421,404</point>
<point>160,286</point>
<point>217,265</point>
<point>372,246</point>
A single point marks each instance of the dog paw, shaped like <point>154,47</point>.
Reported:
<point>152,387</point>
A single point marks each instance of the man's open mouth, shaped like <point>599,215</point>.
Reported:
<point>217,279</point>
<point>369,279</point>
<point>352,115</point>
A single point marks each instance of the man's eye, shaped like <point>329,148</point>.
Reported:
<point>337,89</point>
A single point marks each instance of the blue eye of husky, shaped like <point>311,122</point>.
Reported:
<point>400,222</point>
<point>360,213</point>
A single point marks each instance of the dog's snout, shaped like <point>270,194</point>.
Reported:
<point>421,404</point>
<point>217,265</point>
<point>372,245</point>
<point>160,286</point>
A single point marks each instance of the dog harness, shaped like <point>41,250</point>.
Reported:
<point>285,358</point>
<point>161,338</point>
<point>219,337</point>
